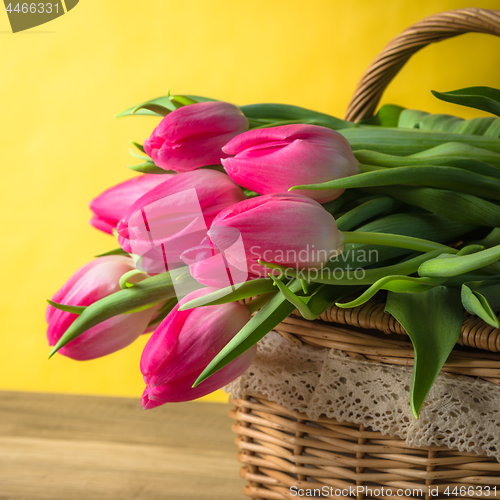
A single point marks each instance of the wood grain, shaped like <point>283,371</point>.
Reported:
<point>62,447</point>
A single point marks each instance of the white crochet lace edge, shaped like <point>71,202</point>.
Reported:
<point>460,412</point>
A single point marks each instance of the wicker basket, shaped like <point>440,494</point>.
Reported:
<point>283,451</point>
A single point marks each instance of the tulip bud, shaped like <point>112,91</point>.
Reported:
<point>109,207</point>
<point>184,344</point>
<point>286,229</point>
<point>92,282</point>
<point>272,160</point>
<point>174,216</point>
<point>192,136</point>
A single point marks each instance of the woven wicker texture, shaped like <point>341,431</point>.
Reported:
<point>366,345</point>
<point>395,55</point>
<point>280,449</point>
<point>371,316</point>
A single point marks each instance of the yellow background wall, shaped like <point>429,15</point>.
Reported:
<point>62,83</point>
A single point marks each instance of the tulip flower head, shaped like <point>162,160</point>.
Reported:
<point>111,205</point>
<point>286,229</point>
<point>192,136</point>
<point>184,344</point>
<point>174,216</point>
<point>92,282</point>
<point>274,159</point>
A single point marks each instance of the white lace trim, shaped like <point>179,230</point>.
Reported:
<point>461,412</point>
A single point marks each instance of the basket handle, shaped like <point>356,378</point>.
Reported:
<point>397,52</point>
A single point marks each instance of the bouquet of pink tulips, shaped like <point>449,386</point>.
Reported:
<point>297,210</point>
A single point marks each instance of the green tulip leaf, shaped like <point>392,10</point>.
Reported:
<point>490,290</point>
<point>395,240</point>
<point>473,281</point>
<point>155,109</point>
<point>386,116</point>
<point>163,312</point>
<point>246,290</point>
<point>160,106</point>
<point>274,113</point>
<point>299,302</point>
<point>492,239</point>
<point>483,126</point>
<point>395,141</point>
<point>249,193</point>
<point>67,308</point>
<point>475,303</point>
<point>271,315</point>
<point>139,146</point>
<point>124,280</point>
<point>181,100</point>
<point>149,167</point>
<point>433,321</point>
<point>368,276</point>
<point>116,251</point>
<point>439,123</point>
<point>398,283</point>
<point>459,264</point>
<point>150,291</point>
<point>475,165</point>
<point>453,154</point>
<point>474,211</point>
<point>141,308</point>
<point>335,206</point>
<point>453,178</point>
<point>451,150</point>
<point>493,129</point>
<point>486,126</point>
<point>365,211</point>
<point>483,98</point>
<point>470,249</point>
<point>410,118</point>
<point>138,156</point>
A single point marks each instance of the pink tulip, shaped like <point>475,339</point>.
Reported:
<point>184,344</point>
<point>272,160</point>
<point>174,216</point>
<point>109,207</point>
<point>286,229</point>
<point>92,282</point>
<point>192,136</point>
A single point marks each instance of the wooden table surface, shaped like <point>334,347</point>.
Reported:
<point>61,447</point>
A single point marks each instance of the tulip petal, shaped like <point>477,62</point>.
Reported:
<point>111,205</point>
<point>94,281</point>
<point>184,343</point>
<point>274,159</point>
<point>192,136</point>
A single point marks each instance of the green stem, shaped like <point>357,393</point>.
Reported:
<point>367,210</point>
<point>124,283</point>
<point>393,141</point>
<point>369,168</point>
<point>453,178</point>
<point>259,302</point>
<point>368,276</point>
<point>395,240</point>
